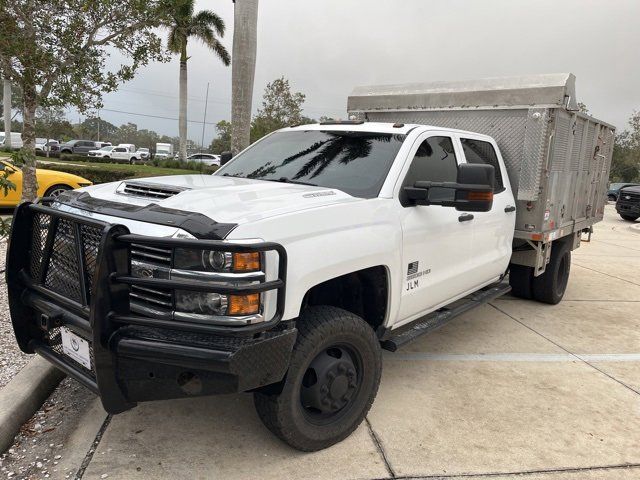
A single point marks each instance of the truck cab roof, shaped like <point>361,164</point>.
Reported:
<point>380,127</point>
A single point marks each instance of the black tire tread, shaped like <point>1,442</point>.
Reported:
<point>629,218</point>
<point>314,325</point>
<point>543,286</point>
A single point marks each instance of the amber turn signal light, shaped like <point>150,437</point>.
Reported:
<point>480,196</point>
<point>244,304</point>
<point>246,262</point>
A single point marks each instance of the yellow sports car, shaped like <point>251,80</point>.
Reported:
<point>50,183</point>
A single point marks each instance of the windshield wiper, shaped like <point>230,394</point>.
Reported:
<point>288,180</point>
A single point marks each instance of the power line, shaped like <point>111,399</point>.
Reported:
<point>153,116</point>
<point>158,93</point>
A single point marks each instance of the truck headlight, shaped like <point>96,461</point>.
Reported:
<point>202,303</point>
<point>207,303</point>
<point>217,261</point>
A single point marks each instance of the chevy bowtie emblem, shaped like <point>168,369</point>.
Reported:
<point>146,273</point>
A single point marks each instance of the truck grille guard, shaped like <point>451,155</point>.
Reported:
<point>70,270</point>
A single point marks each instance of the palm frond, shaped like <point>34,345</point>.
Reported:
<point>175,40</point>
<point>206,35</point>
<point>211,20</point>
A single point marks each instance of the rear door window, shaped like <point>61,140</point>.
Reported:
<point>477,151</point>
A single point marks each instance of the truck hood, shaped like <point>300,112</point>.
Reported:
<point>223,199</point>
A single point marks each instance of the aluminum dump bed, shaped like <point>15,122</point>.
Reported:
<point>558,158</point>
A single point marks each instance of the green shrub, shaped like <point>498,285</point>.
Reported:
<point>74,157</point>
<point>102,173</point>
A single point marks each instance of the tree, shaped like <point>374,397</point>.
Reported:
<point>625,166</point>
<point>183,25</point>
<point>245,35</point>
<point>280,108</point>
<point>57,51</point>
<point>222,143</point>
<point>6,111</point>
<point>91,126</point>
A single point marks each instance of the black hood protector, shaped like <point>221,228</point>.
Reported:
<point>198,225</point>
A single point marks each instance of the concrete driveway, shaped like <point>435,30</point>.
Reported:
<point>514,389</point>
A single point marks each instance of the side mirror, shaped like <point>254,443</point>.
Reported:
<point>473,189</point>
<point>476,183</point>
<point>225,157</point>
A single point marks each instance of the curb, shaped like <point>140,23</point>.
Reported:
<point>24,395</point>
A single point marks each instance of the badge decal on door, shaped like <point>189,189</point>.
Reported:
<point>413,276</point>
<point>413,268</point>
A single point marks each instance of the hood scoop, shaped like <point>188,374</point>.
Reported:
<point>149,190</point>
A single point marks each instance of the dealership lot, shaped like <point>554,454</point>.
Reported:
<point>514,389</point>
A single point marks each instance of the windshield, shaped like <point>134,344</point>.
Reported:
<point>107,149</point>
<point>354,162</point>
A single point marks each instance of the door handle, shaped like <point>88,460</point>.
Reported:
<point>509,209</point>
<point>465,217</point>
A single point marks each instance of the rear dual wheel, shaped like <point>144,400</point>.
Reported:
<point>548,287</point>
<point>332,381</point>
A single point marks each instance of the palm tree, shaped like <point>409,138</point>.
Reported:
<point>245,26</point>
<point>205,26</point>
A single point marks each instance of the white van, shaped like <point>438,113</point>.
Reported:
<point>16,140</point>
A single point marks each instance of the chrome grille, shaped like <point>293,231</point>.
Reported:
<point>156,261</point>
<point>150,190</point>
<point>147,254</point>
<point>634,197</point>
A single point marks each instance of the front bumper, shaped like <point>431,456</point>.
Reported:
<point>133,358</point>
<point>624,208</point>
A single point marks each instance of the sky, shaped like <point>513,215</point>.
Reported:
<point>326,47</point>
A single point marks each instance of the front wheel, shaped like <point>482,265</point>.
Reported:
<point>332,381</point>
<point>57,190</point>
<point>629,218</point>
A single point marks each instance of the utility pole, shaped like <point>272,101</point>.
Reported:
<point>98,124</point>
<point>204,120</point>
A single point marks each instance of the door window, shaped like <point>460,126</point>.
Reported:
<point>434,161</point>
<point>477,151</point>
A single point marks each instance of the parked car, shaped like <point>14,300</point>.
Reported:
<point>143,153</point>
<point>16,140</point>
<point>287,271</point>
<point>44,145</point>
<point>79,147</point>
<point>125,153</point>
<point>104,152</point>
<point>51,183</point>
<point>614,189</point>
<point>206,158</point>
<point>628,203</point>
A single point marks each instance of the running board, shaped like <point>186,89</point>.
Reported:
<point>435,320</point>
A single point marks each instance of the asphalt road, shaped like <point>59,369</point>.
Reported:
<point>512,390</point>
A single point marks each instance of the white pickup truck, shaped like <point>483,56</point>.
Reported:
<point>288,271</point>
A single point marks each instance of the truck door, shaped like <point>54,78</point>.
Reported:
<point>436,239</point>
<point>492,238</point>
